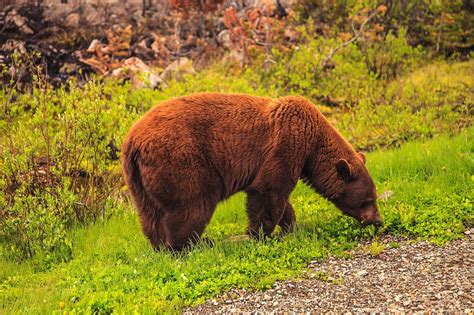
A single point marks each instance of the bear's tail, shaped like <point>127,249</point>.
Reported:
<point>132,174</point>
<point>149,209</point>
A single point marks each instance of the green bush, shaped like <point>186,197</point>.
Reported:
<point>60,161</point>
<point>441,27</point>
<point>434,99</point>
<point>388,57</point>
<point>37,224</point>
<point>355,71</point>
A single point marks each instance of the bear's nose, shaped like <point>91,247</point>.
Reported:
<point>374,219</point>
<point>375,223</point>
<point>378,222</point>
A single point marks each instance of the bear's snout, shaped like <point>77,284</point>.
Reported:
<point>372,218</point>
<point>377,222</point>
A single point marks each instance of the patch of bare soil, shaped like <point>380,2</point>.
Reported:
<point>413,278</point>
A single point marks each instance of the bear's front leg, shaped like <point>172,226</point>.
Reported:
<point>288,219</point>
<point>265,211</point>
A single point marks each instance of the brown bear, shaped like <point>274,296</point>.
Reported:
<point>187,154</point>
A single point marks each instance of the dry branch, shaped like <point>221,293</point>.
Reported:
<point>357,34</point>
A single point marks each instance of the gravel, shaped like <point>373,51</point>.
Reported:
<point>417,277</point>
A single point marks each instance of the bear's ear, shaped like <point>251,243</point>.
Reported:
<point>362,156</point>
<point>344,170</point>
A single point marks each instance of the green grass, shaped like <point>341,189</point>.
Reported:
<point>114,268</point>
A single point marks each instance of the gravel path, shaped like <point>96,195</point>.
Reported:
<point>417,277</point>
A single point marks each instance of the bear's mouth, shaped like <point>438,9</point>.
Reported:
<point>376,223</point>
<point>367,218</point>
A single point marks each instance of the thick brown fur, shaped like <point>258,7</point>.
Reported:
<point>187,154</point>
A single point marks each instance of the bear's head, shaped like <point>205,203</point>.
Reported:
<point>358,197</point>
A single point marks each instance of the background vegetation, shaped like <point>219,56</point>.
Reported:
<point>384,74</point>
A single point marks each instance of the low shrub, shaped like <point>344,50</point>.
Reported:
<point>358,70</point>
<point>60,161</point>
<point>434,99</point>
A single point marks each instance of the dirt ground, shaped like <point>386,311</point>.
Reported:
<point>417,277</point>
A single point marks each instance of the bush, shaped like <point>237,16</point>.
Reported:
<point>37,223</point>
<point>432,100</point>
<point>387,58</point>
<point>356,71</point>
<point>439,26</point>
<point>60,161</point>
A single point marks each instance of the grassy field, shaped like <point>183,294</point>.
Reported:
<point>114,268</point>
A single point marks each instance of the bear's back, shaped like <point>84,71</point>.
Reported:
<point>210,107</point>
<point>205,117</point>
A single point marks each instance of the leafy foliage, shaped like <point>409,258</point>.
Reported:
<point>60,162</point>
<point>440,26</point>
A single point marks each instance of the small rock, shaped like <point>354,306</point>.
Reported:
<point>362,273</point>
<point>291,35</point>
<point>92,14</point>
<point>177,69</point>
<point>224,39</point>
<point>159,47</point>
<point>69,68</point>
<point>267,297</point>
<point>139,74</point>
<point>12,45</point>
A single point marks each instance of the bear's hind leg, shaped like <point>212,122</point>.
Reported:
<point>184,227</point>
<point>153,229</point>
